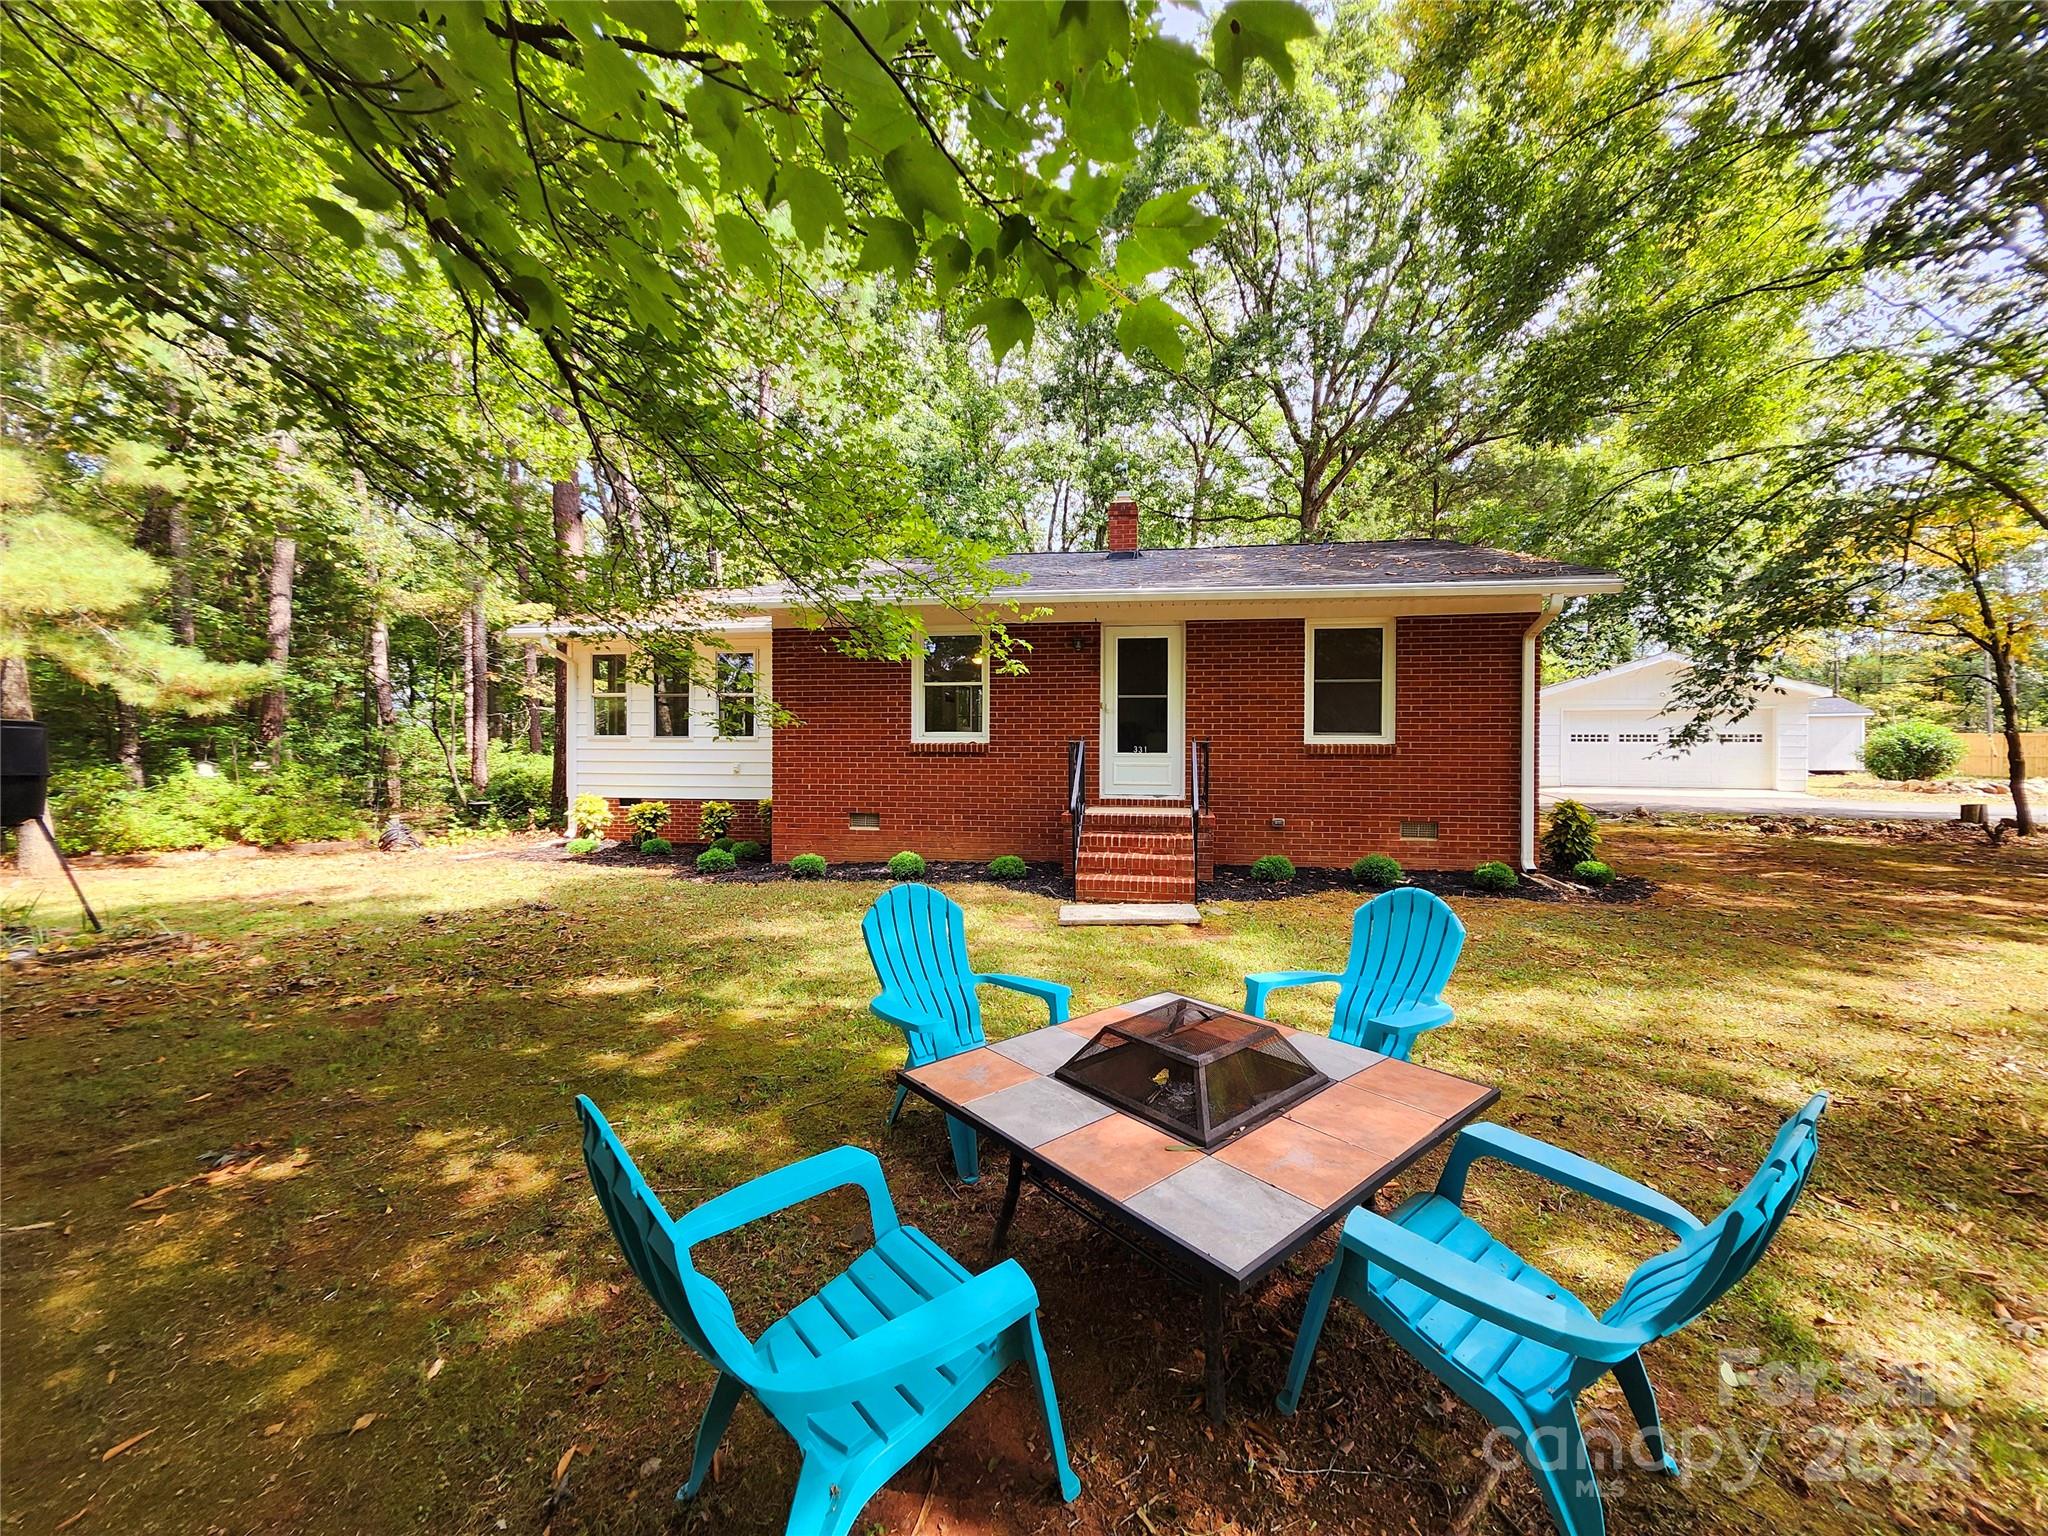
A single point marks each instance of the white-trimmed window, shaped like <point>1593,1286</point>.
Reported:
<point>608,695</point>
<point>671,701</point>
<point>949,689</point>
<point>1348,682</point>
<point>734,675</point>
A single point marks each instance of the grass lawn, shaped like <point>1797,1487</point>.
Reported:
<point>404,1310</point>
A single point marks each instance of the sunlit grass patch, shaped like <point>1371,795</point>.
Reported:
<point>401,1056</point>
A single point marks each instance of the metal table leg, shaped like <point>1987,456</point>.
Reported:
<point>1212,1348</point>
<point>1001,1237</point>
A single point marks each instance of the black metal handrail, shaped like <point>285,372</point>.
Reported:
<point>1198,796</point>
<point>1077,773</point>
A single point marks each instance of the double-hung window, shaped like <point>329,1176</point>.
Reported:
<point>1349,686</point>
<point>733,673</point>
<point>949,689</point>
<point>671,701</point>
<point>608,695</point>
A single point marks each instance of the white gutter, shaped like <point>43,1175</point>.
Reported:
<point>1545,617</point>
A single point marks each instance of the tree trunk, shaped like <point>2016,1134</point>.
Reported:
<point>128,731</point>
<point>567,502</point>
<point>284,555</point>
<point>529,668</point>
<point>477,673</point>
<point>178,535</point>
<point>387,713</point>
<point>32,852</point>
<point>2015,749</point>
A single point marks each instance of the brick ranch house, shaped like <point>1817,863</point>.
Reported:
<point>1321,701</point>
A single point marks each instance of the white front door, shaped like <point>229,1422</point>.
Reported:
<point>1143,697</point>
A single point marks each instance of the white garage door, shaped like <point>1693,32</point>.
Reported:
<point>1626,748</point>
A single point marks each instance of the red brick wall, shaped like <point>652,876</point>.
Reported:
<point>1454,760</point>
<point>852,752</point>
<point>681,826</point>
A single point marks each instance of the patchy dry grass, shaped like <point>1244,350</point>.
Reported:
<point>385,1300</point>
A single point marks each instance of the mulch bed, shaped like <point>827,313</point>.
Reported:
<point>1232,882</point>
<point>1038,880</point>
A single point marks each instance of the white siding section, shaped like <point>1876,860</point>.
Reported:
<point>642,766</point>
<point>1834,743</point>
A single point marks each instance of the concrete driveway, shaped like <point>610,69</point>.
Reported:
<point>1760,802</point>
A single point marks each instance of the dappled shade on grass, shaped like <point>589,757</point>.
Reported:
<point>378,1056</point>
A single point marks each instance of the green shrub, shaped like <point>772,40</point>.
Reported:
<point>581,845</point>
<point>747,850</point>
<point>1593,872</point>
<point>656,845</point>
<point>96,810</point>
<point>1378,872</point>
<point>1495,876</point>
<point>647,818</point>
<point>1008,867</point>
<point>723,844</point>
<point>592,814</point>
<point>1273,868</point>
<point>716,861</point>
<point>807,866</point>
<point>765,809</point>
<point>1570,836</point>
<point>1912,749</point>
<point>907,865</point>
<point>714,819</point>
<point>521,782</point>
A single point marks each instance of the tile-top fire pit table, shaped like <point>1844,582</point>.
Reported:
<point>1215,1144</point>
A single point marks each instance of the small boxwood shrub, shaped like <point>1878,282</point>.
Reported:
<point>1593,872</point>
<point>1273,868</point>
<point>807,866</point>
<point>592,813</point>
<point>1570,836</point>
<point>907,865</point>
<point>647,818</point>
<point>747,850</point>
<point>716,861</point>
<point>1912,749</point>
<point>714,819</point>
<point>1008,867</point>
<point>723,843</point>
<point>581,845</point>
<point>1378,872</point>
<point>656,845</point>
<point>1495,876</point>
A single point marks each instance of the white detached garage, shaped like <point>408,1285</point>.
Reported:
<point>1614,729</point>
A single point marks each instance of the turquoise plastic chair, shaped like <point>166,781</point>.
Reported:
<point>918,943</point>
<point>864,1374</point>
<point>1514,1343</point>
<point>1403,947</point>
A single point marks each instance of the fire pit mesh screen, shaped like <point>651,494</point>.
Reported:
<point>1197,1071</point>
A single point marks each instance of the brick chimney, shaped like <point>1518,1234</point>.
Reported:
<point>1123,524</point>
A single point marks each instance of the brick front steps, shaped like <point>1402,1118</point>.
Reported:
<point>1136,853</point>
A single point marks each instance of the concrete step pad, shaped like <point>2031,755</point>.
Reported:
<point>1129,914</point>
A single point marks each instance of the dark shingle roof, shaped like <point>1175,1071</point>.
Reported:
<point>1267,568</point>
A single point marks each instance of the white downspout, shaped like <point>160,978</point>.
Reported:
<point>1545,617</point>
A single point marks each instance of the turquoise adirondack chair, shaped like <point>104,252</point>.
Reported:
<point>918,943</point>
<point>1511,1341</point>
<point>1403,946</point>
<point>864,1374</point>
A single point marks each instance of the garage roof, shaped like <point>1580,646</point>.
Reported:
<point>1835,704</point>
<point>1677,661</point>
